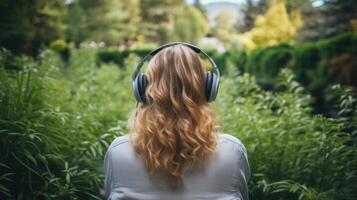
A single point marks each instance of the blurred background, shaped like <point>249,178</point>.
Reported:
<point>288,89</point>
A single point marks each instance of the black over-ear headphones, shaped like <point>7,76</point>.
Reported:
<point>140,81</point>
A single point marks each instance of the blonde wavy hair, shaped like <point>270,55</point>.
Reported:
<point>175,129</point>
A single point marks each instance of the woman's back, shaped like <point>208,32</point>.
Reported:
<point>173,149</point>
<point>224,176</point>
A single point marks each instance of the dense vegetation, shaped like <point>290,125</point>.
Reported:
<point>294,154</point>
<point>316,65</point>
<point>57,119</point>
<point>288,90</point>
<point>56,122</point>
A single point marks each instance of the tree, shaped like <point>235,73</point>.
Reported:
<point>159,17</point>
<point>225,27</point>
<point>254,8</point>
<point>27,25</point>
<point>190,25</point>
<point>110,21</point>
<point>76,21</point>
<point>331,18</point>
<point>251,11</point>
<point>275,27</point>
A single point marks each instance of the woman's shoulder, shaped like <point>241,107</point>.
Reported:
<point>224,137</point>
<point>119,141</point>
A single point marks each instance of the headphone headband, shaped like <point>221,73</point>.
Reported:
<point>157,50</point>
<point>139,80</point>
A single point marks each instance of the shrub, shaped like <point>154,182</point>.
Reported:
<point>62,48</point>
<point>118,57</point>
<point>238,58</point>
<point>218,58</point>
<point>293,153</point>
<point>306,61</point>
<point>56,123</point>
<point>265,63</point>
<point>313,63</point>
<point>316,65</point>
<point>312,60</point>
<point>342,105</point>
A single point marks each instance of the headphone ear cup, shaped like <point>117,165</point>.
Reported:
<point>208,85</point>
<point>214,87</point>
<point>141,86</point>
<point>137,88</point>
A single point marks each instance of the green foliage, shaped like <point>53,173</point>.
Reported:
<point>109,21</point>
<point>266,63</point>
<point>218,58</point>
<point>306,65</point>
<point>118,57</point>
<point>342,103</point>
<point>27,25</point>
<point>224,28</point>
<point>237,58</point>
<point>190,25</point>
<point>159,16</point>
<point>57,120</point>
<point>293,154</point>
<point>315,64</point>
<point>61,47</point>
<point>56,123</point>
<point>312,59</point>
<point>334,17</point>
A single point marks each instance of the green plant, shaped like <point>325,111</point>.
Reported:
<point>56,124</point>
<point>293,153</point>
<point>267,62</point>
<point>342,105</point>
<point>118,57</point>
<point>61,47</point>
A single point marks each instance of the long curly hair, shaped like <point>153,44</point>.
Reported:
<point>175,129</point>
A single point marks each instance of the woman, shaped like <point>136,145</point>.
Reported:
<point>173,150</point>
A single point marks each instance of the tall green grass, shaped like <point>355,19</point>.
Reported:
<point>56,122</point>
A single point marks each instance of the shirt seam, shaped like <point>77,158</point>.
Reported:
<point>240,148</point>
<point>121,141</point>
<point>112,176</point>
<point>125,140</point>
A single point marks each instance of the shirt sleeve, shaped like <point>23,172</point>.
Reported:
<point>108,174</point>
<point>244,173</point>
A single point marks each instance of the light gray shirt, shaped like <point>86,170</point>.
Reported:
<point>224,177</point>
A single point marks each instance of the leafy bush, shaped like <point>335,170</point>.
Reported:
<point>56,124</point>
<point>342,103</point>
<point>61,47</point>
<point>293,154</point>
<point>316,65</point>
<point>311,62</point>
<point>238,58</point>
<point>218,58</point>
<point>118,56</point>
<point>190,25</point>
<point>266,63</point>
